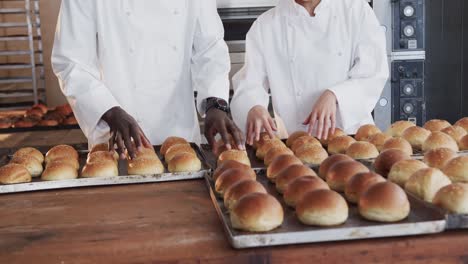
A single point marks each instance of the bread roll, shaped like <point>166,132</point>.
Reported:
<point>233,154</point>
<point>184,162</point>
<point>146,153</point>
<point>339,174</point>
<point>29,152</point>
<point>294,136</point>
<point>99,156</point>
<point>169,142</point>
<point>300,186</point>
<point>436,125</point>
<point>365,132</point>
<point>463,143</point>
<point>338,133</point>
<point>100,147</point>
<point>438,158</point>
<point>238,190</point>
<point>177,149</point>
<point>41,107</point>
<point>322,208</point>
<point>384,162</point>
<point>378,140</point>
<point>231,164</point>
<point>455,132</point>
<point>359,183</point>
<point>339,145</point>
<point>439,140</point>
<point>416,136</point>
<point>397,128</point>
<point>275,152</point>
<point>230,177</point>
<point>264,148</point>
<point>33,166</point>
<point>14,173</point>
<point>311,154</point>
<point>105,168</point>
<point>463,123</point>
<point>70,162</point>
<point>453,198</point>
<point>362,150</point>
<point>264,137</point>
<point>457,169</point>
<point>220,146</point>
<point>281,163</point>
<point>48,123</point>
<point>330,161</point>
<point>425,183</point>
<point>291,173</point>
<point>61,151</point>
<point>59,171</point>
<point>402,171</point>
<point>384,202</point>
<point>398,143</point>
<point>303,141</point>
<point>257,212</point>
<point>144,166</point>
<point>5,123</point>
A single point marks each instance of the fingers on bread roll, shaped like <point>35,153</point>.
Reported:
<point>416,136</point>
<point>330,161</point>
<point>231,164</point>
<point>453,198</point>
<point>365,132</point>
<point>144,166</point>
<point>402,171</point>
<point>294,136</point>
<point>257,212</point>
<point>463,143</point>
<point>169,142</point>
<point>264,137</point>
<point>304,140</point>
<point>311,154</point>
<point>30,163</point>
<point>362,150</point>
<point>176,149</point>
<point>457,169</point>
<point>300,186</point>
<point>103,168</point>
<point>338,133</point>
<point>438,158</point>
<point>463,123</point>
<point>240,189</point>
<point>439,140</point>
<point>425,183</point>
<point>339,174</point>
<point>98,156</point>
<point>61,151</point>
<point>233,154</point>
<point>455,132</point>
<point>384,162</point>
<point>14,173</point>
<point>59,171</point>
<point>378,140</point>
<point>398,143</point>
<point>275,152</point>
<point>397,128</point>
<point>359,183</point>
<point>286,176</point>
<point>436,125</point>
<point>322,208</point>
<point>230,177</point>
<point>339,145</point>
<point>279,164</point>
<point>29,152</point>
<point>264,148</point>
<point>184,162</point>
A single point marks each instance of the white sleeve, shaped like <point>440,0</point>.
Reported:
<point>75,62</point>
<point>210,60</point>
<point>251,82</point>
<point>358,95</point>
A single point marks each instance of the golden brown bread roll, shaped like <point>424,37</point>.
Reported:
<point>378,140</point>
<point>311,154</point>
<point>330,161</point>
<point>359,183</point>
<point>436,125</point>
<point>177,149</point>
<point>365,132</point>
<point>456,132</point>
<point>322,208</point>
<point>230,177</point>
<point>14,173</point>
<point>463,123</point>
<point>402,171</point>
<point>339,145</point>
<point>398,143</point>
<point>463,143</point>
<point>233,154</point>
<point>384,202</point>
<point>439,140</point>
<point>240,189</point>
<point>300,186</point>
<point>362,150</point>
<point>184,162</point>
<point>294,136</point>
<point>416,136</point>
<point>59,171</point>
<point>33,166</point>
<point>61,151</point>
<point>291,173</point>
<point>457,169</point>
<point>106,168</point>
<point>339,174</point>
<point>257,212</point>
<point>169,142</point>
<point>231,164</point>
<point>264,137</point>
<point>304,140</point>
<point>264,148</point>
<point>146,153</point>
<point>29,152</point>
<point>425,183</point>
<point>70,162</point>
<point>280,163</point>
<point>438,158</point>
<point>397,128</point>
<point>338,133</point>
<point>275,152</point>
<point>384,162</point>
<point>143,166</point>
<point>453,198</point>
<point>100,147</point>
<point>220,146</point>
<point>48,123</point>
<point>99,156</point>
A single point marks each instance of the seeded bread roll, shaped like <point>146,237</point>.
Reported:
<point>70,162</point>
<point>59,171</point>
<point>275,152</point>
<point>322,208</point>
<point>61,151</point>
<point>378,140</point>
<point>14,173</point>
<point>311,154</point>
<point>264,148</point>
<point>339,145</point>
<point>339,174</point>
<point>294,136</point>
<point>425,183</point>
<point>362,150</point>
<point>286,176</point>
<point>416,136</point>
<point>177,149</point>
<point>439,140</point>
<point>169,142</point>
<point>105,168</point>
<point>397,128</point>
<point>330,161</point>
<point>233,154</point>
<point>29,152</point>
<point>457,169</point>
<point>33,166</point>
<point>436,125</point>
<point>438,158</point>
<point>453,198</point>
<point>398,143</point>
<point>144,166</point>
<point>98,156</point>
<point>463,123</point>
<point>305,140</point>
<point>365,132</point>
<point>280,163</point>
<point>300,186</point>
<point>402,171</point>
<point>359,183</point>
<point>184,162</point>
<point>240,189</point>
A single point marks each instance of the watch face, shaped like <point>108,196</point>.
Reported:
<point>222,103</point>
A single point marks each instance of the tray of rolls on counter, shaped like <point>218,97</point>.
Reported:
<point>64,166</point>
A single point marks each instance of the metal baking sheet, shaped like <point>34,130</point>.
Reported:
<point>422,220</point>
<point>37,184</point>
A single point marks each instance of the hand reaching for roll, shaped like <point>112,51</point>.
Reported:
<point>259,120</point>
<point>125,132</point>
<point>323,115</point>
<point>218,121</point>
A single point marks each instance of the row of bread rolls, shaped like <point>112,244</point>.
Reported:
<point>250,207</point>
<point>179,155</point>
<point>39,115</point>
<point>61,163</point>
<point>25,164</point>
<point>101,163</point>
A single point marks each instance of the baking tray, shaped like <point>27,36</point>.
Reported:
<point>422,220</point>
<point>38,185</point>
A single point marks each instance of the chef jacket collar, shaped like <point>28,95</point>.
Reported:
<point>291,8</point>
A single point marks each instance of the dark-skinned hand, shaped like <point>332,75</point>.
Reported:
<point>218,121</point>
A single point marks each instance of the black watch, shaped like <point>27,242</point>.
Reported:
<point>217,103</point>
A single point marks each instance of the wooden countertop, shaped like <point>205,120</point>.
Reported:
<point>172,222</point>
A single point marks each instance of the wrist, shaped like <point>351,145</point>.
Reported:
<point>216,103</point>
<point>107,116</point>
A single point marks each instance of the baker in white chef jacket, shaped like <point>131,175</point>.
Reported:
<point>324,62</point>
<point>130,67</point>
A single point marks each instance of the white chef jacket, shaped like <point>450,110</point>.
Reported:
<point>145,56</point>
<point>298,57</point>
